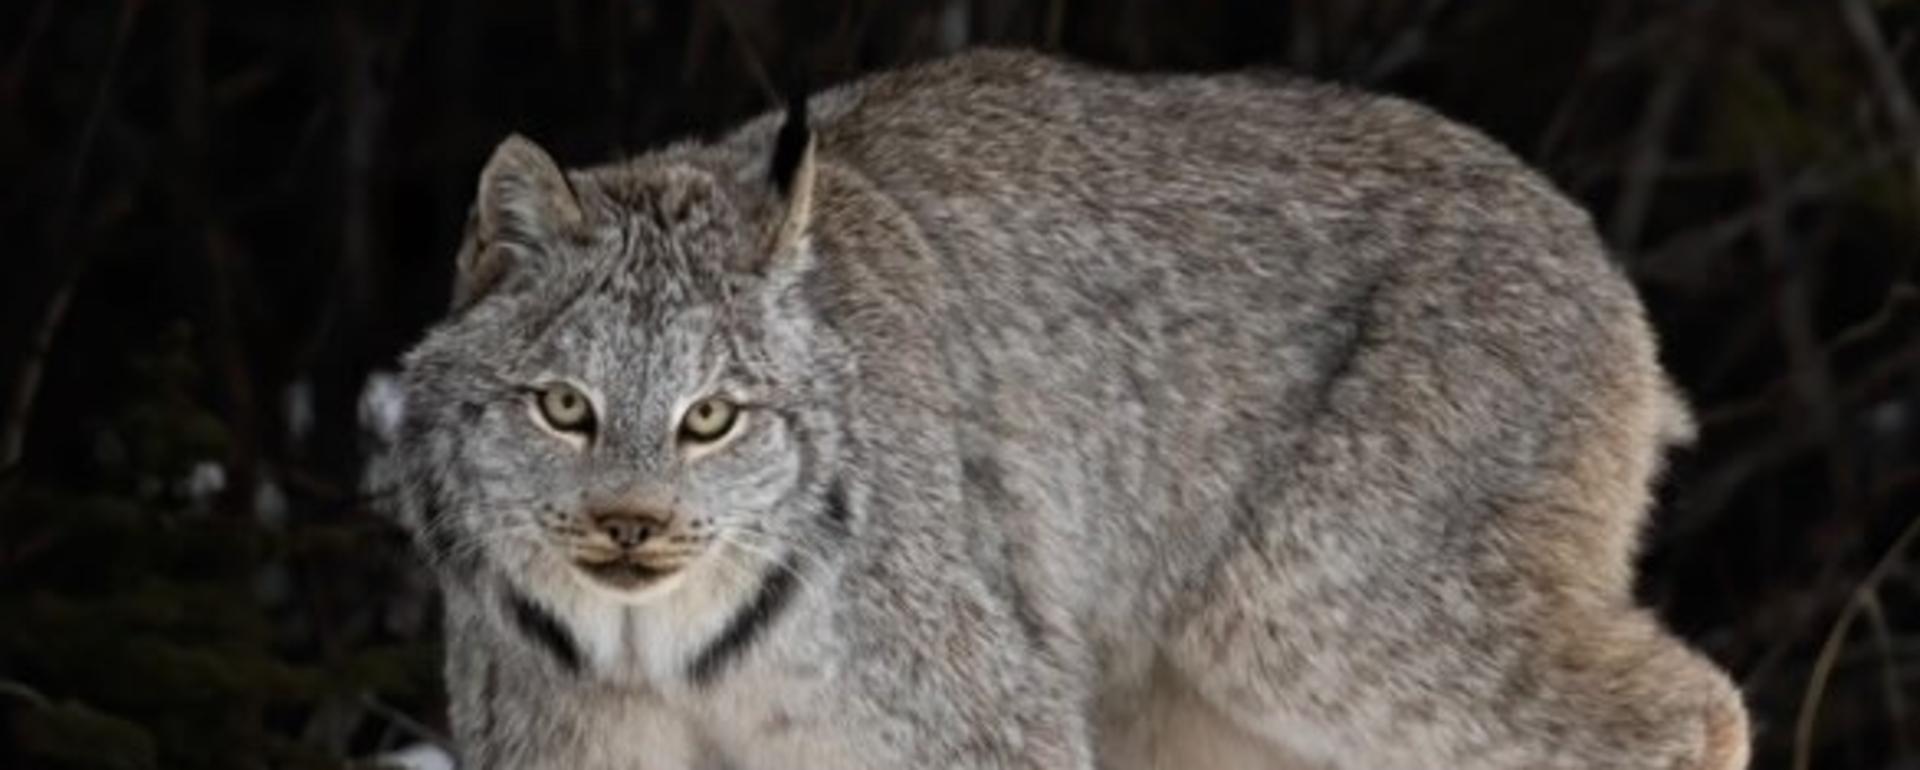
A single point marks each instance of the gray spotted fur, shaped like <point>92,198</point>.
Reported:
<point>1097,420</point>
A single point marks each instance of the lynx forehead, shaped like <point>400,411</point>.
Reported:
<point>1002,412</point>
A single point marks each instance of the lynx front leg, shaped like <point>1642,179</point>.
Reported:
<point>939,673</point>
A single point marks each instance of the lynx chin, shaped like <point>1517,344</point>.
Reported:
<point>1002,412</point>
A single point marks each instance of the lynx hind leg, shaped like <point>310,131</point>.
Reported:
<point>1403,603</point>
<point>1399,647</point>
<point>1641,686</point>
<point>1369,691</point>
<point>1168,726</point>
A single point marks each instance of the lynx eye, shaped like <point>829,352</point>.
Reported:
<point>565,408</point>
<point>709,419</point>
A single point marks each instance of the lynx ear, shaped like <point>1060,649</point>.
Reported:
<point>792,175</point>
<point>523,201</point>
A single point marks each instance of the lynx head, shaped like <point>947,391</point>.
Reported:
<point>631,381</point>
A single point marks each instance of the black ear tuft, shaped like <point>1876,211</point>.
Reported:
<point>791,145</point>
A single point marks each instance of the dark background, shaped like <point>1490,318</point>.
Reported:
<point>217,216</point>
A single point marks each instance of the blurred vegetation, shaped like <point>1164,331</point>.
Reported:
<point>222,215</point>
<point>146,629</point>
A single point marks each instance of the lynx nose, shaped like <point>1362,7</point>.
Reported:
<point>629,529</point>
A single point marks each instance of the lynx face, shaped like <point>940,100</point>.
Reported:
<point>618,410</point>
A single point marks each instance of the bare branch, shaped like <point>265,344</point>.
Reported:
<point>1650,151</point>
<point>1865,30</point>
<point>1830,650</point>
<point>26,382</point>
<point>1677,261</point>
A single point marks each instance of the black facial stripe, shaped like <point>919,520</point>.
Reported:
<point>775,592</point>
<point>790,144</point>
<point>836,511</point>
<point>543,630</point>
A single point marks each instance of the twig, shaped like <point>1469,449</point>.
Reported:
<point>1808,370</point>
<point>1865,29</point>
<point>414,727</point>
<point>1898,299</point>
<point>1665,263</point>
<point>748,56</point>
<point>1407,45</point>
<point>16,70</point>
<point>955,25</point>
<point>1305,45</point>
<point>1547,146</point>
<point>1643,44</point>
<point>1709,495</point>
<point>1650,150</point>
<point>1889,672</point>
<point>224,257</point>
<point>1056,24</point>
<point>21,691</point>
<point>1830,650</point>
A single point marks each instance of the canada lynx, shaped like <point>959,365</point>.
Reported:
<point>1005,413</point>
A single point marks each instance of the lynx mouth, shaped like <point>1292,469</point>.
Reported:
<point>625,574</point>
